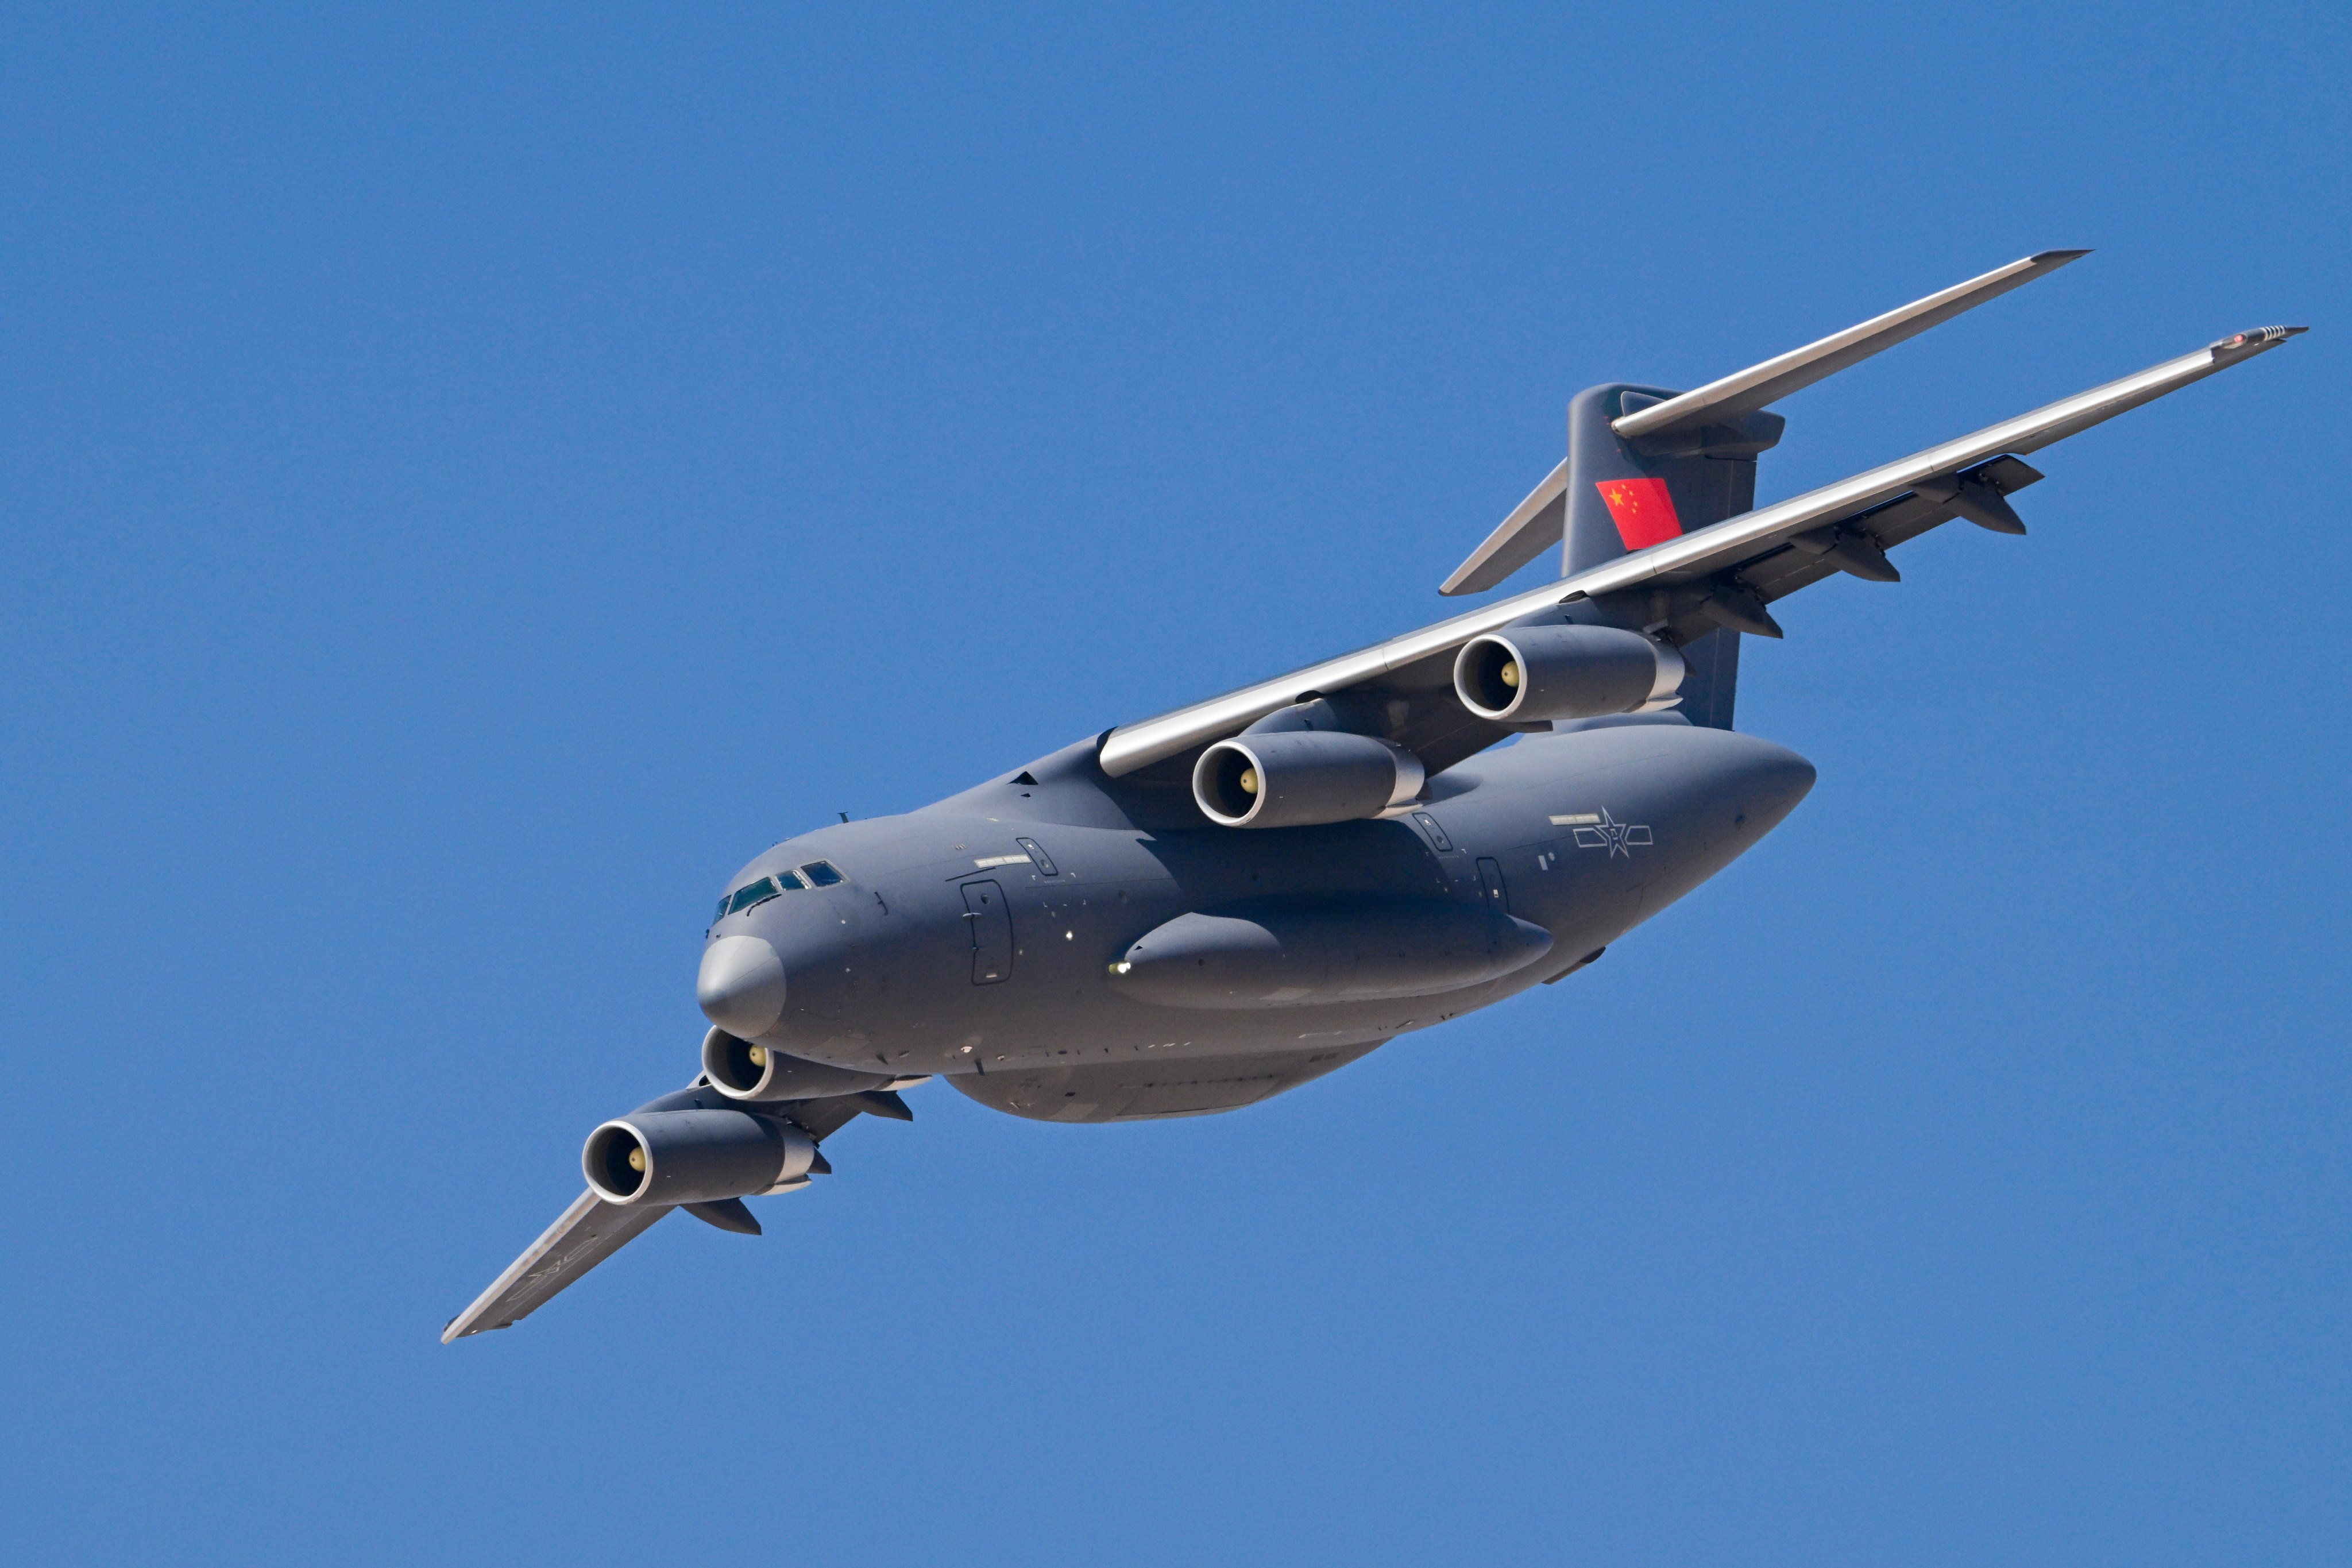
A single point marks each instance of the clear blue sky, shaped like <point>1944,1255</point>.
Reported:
<point>471,476</point>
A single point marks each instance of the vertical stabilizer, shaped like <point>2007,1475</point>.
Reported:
<point>1627,495</point>
<point>1621,495</point>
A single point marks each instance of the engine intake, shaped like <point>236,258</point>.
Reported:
<point>1531,674</point>
<point>1299,778</point>
<point>663,1157</point>
<point>745,1070</point>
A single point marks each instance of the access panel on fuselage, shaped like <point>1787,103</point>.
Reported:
<point>1491,886</point>
<point>992,932</point>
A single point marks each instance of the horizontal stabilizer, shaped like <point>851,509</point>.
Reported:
<point>1532,528</point>
<point>1725,401</point>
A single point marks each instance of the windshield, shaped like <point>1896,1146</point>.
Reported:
<point>752,894</point>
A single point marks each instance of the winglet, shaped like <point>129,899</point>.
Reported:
<point>1720,402</point>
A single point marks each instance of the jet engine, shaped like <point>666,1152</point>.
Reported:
<point>1531,674</point>
<point>1298,778</point>
<point>662,1157</point>
<point>744,1070</point>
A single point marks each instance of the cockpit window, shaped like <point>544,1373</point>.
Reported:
<point>751,893</point>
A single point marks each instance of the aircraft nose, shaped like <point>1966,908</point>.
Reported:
<point>741,985</point>
<point>1772,779</point>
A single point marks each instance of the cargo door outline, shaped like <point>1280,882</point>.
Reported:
<point>991,922</point>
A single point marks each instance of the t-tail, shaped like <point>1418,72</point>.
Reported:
<point>1646,464</point>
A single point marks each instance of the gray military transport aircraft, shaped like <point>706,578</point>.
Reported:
<point>1191,913</point>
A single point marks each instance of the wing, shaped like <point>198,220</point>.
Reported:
<point>584,1236</point>
<point>591,1230</point>
<point>1718,575</point>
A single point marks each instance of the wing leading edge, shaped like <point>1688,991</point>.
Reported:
<point>591,1230</point>
<point>584,1236</point>
<point>1688,573</point>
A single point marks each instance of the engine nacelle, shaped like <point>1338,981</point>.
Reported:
<point>1299,778</point>
<point>745,1070</point>
<point>1531,674</point>
<point>663,1157</point>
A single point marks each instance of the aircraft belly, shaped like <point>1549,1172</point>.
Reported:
<point>1141,1089</point>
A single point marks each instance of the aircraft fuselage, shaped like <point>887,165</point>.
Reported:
<point>1029,939</point>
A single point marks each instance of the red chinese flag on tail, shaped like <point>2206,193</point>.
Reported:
<point>1642,512</point>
